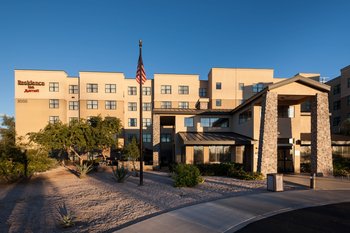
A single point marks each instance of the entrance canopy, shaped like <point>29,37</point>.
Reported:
<point>217,138</point>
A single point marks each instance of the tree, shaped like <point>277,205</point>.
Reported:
<point>132,152</point>
<point>13,162</point>
<point>79,137</point>
<point>7,135</point>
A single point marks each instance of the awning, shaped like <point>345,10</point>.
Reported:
<point>337,139</point>
<point>216,138</point>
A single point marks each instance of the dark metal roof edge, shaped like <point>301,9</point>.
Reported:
<point>308,81</point>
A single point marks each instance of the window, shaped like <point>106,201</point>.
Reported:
<point>336,105</point>
<point>219,154</point>
<point>183,104</point>
<point>111,104</point>
<point>146,106</point>
<point>218,86</point>
<point>285,111</point>
<point>73,105</point>
<point>132,91</point>
<point>110,88</point>
<point>132,106</point>
<point>53,103</point>
<point>203,92</point>
<point>131,136</point>
<point>189,122</point>
<point>306,106</point>
<point>71,119</point>
<point>91,88</point>
<point>336,89</point>
<point>165,89</point>
<point>258,87</point>
<point>241,86</point>
<point>348,82</point>
<point>245,116</point>
<point>146,90</point>
<point>165,137</point>
<point>53,87</point>
<point>218,103</point>
<point>205,122</point>
<point>214,122</point>
<point>183,90</point>
<point>198,155</point>
<point>336,121</point>
<point>146,122</point>
<point>92,104</point>
<point>165,104</point>
<point>53,119</point>
<point>348,100</point>
<point>132,122</point>
<point>147,137</point>
<point>73,89</point>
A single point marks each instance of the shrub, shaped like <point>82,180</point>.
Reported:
<point>38,161</point>
<point>186,175</point>
<point>66,217</point>
<point>83,169</point>
<point>217,169</point>
<point>12,169</point>
<point>305,167</point>
<point>120,174</point>
<point>233,170</point>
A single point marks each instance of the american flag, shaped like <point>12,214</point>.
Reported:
<point>140,73</point>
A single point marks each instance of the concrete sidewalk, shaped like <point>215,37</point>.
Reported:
<point>231,214</point>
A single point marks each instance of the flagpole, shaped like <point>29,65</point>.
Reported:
<point>141,122</point>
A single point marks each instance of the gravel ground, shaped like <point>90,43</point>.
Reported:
<point>99,203</point>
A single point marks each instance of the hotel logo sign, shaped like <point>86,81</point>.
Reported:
<point>31,85</point>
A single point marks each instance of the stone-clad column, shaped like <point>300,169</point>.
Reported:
<point>156,140</point>
<point>321,148</point>
<point>267,154</point>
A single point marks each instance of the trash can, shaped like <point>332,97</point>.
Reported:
<point>275,182</point>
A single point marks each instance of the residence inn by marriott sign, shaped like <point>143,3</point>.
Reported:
<point>31,85</point>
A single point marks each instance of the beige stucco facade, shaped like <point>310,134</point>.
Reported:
<point>223,114</point>
<point>339,100</point>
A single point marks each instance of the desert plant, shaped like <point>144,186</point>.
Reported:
<point>66,217</point>
<point>132,153</point>
<point>120,174</point>
<point>83,169</point>
<point>186,175</point>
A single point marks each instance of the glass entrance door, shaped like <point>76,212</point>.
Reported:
<point>285,159</point>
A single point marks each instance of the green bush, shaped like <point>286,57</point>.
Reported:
<point>305,167</point>
<point>233,170</point>
<point>243,175</point>
<point>10,171</point>
<point>217,169</point>
<point>38,161</point>
<point>341,166</point>
<point>186,175</point>
<point>13,168</point>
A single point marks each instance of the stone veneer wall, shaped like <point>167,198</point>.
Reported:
<point>267,154</point>
<point>156,140</point>
<point>321,148</point>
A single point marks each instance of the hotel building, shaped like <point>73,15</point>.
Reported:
<point>242,115</point>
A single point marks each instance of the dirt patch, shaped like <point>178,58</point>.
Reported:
<point>99,203</point>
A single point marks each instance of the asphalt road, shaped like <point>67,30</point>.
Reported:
<point>329,218</point>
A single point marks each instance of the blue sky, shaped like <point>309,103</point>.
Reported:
<point>179,37</point>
